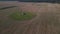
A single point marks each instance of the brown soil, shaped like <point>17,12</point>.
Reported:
<point>46,21</point>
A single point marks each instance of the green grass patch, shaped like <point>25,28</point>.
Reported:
<point>22,15</point>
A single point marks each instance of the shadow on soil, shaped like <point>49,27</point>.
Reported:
<point>7,7</point>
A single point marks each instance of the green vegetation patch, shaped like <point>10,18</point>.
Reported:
<point>22,15</point>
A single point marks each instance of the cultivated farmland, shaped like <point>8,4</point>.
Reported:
<point>47,20</point>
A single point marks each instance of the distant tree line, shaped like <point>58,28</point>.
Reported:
<point>50,1</point>
<point>8,0</point>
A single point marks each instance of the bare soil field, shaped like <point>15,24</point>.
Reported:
<point>47,20</point>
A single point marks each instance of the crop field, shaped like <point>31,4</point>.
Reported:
<point>47,20</point>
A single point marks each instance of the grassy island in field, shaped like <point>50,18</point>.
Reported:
<point>22,15</point>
